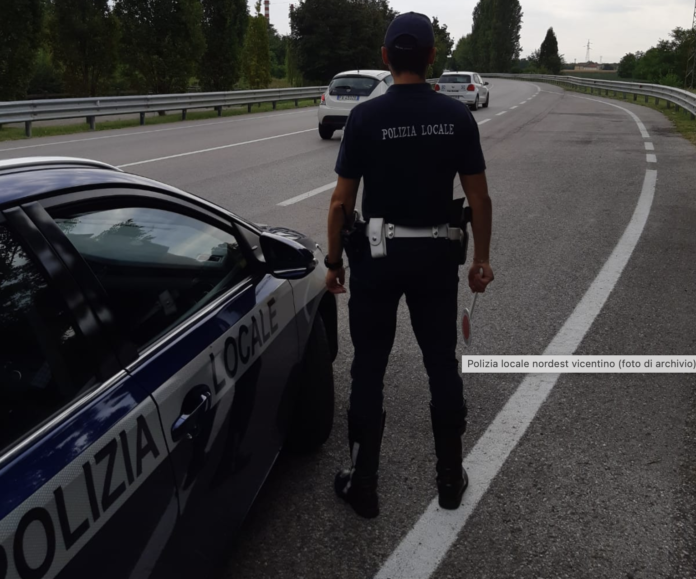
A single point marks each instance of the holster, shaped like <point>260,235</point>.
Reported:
<point>460,216</point>
<point>354,238</point>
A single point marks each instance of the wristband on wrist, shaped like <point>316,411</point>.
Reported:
<point>333,266</point>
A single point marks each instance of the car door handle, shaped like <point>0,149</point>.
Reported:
<point>196,403</point>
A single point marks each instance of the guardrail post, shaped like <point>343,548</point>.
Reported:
<point>142,119</point>
<point>249,108</point>
<point>646,98</point>
<point>657,101</point>
<point>274,105</point>
<point>625,96</point>
<point>296,104</point>
<point>219,111</point>
<point>606,92</point>
<point>669,105</point>
<point>92,122</point>
<point>635,97</point>
<point>693,117</point>
<point>183,114</point>
<point>676,108</point>
<point>27,129</point>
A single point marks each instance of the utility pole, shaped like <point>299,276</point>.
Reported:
<point>690,77</point>
<point>587,54</point>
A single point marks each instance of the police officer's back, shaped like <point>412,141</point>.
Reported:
<point>408,146</point>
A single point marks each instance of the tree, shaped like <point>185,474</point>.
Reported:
<point>85,44</point>
<point>443,45</point>
<point>20,39</point>
<point>549,59</point>
<point>256,58</point>
<point>461,58</point>
<point>495,35</point>
<point>161,43</point>
<point>292,71</point>
<point>627,65</point>
<point>224,26</point>
<point>331,36</point>
<point>279,46</point>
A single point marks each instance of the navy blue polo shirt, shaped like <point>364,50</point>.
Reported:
<point>408,145</point>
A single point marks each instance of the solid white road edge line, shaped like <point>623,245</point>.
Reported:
<point>425,546</point>
<point>214,149</point>
<point>307,195</point>
<point>190,125</point>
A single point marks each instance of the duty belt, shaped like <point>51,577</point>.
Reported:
<point>378,231</point>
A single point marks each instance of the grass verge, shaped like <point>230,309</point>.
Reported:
<point>681,120</point>
<point>17,133</point>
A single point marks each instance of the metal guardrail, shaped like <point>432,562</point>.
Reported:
<point>55,109</point>
<point>680,98</point>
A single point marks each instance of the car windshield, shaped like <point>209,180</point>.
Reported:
<point>353,85</point>
<point>455,79</point>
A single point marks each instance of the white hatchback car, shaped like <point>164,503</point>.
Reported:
<point>345,91</point>
<point>467,87</point>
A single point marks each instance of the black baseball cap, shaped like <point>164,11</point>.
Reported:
<point>410,30</point>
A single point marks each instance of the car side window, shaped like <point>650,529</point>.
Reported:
<point>389,80</point>
<point>158,267</point>
<point>42,362</point>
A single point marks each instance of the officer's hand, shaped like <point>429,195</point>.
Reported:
<point>480,275</point>
<point>335,280</point>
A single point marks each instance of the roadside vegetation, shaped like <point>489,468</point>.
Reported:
<point>12,133</point>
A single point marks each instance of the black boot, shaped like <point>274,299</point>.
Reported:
<point>358,485</point>
<point>448,427</point>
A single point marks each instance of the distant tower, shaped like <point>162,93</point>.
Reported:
<point>267,8</point>
<point>587,54</point>
<point>690,78</point>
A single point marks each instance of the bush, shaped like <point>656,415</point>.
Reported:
<point>47,78</point>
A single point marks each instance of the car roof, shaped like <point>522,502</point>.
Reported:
<point>445,73</point>
<point>371,73</point>
<point>29,178</point>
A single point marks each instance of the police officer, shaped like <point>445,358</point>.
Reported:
<point>407,145</point>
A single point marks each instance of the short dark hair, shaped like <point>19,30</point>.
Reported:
<point>406,56</point>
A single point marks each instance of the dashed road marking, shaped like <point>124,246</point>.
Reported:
<point>483,121</point>
<point>650,158</point>
<point>501,113</point>
<point>307,195</point>
<point>201,151</point>
<point>513,108</point>
<point>649,146</point>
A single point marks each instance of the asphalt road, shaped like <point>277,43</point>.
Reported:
<point>602,483</point>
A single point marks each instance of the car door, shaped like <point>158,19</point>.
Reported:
<point>216,344</point>
<point>483,89</point>
<point>83,460</point>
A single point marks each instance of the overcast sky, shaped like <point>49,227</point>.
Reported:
<point>614,28</point>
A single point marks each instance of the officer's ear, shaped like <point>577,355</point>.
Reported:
<point>385,56</point>
<point>431,55</point>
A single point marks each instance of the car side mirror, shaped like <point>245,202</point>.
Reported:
<point>485,82</point>
<point>285,258</point>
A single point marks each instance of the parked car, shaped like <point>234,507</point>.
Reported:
<point>467,87</point>
<point>345,91</point>
<point>158,352</point>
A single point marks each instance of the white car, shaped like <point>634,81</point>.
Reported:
<point>467,87</point>
<point>345,91</point>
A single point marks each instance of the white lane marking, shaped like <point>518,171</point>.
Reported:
<point>650,158</point>
<point>483,121</point>
<point>214,149</point>
<point>649,146</point>
<point>425,546</point>
<point>192,125</point>
<point>523,102</point>
<point>501,113</point>
<point>513,108</point>
<point>641,127</point>
<point>421,551</point>
<point>307,195</point>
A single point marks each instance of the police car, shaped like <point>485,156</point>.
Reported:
<point>157,353</point>
<point>345,91</point>
<point>466,87</point>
